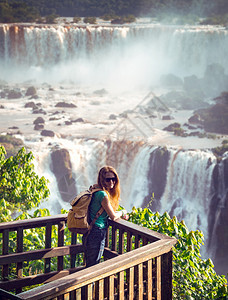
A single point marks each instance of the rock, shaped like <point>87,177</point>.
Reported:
<point>3,94</point>
<point>195,119</point>
<point>31,91</point>
<point>31,105</point>
<point>38,127</point>
<point>1,107</point>
<point>47,133</point>
<point>167,117</point>
<point>68,123</point>
<point>79,120</point>
<point>215,118</point>
<point>101,92</point>
<point>112,117</point>
<point>62,169</point>
<point>11,144</point>
<point>39,120</point>
<point>171,80</point>
<point>14,94</point>
<point>158,164</point>
<point>64,104</point>
<point>39,111</point>
<point>172,127</point>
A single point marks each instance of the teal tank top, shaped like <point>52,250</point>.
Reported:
<point>95,205</point>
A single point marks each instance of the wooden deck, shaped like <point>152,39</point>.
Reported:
<point>137,264</point>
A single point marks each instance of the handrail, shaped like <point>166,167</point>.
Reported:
<point>152,254</point>
<point>120,263</point>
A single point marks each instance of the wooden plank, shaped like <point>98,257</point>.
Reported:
<point>107,238</point>
<point>90,292</point>
<point>109,254</point>
<point>47,261</point>
<point>158,276</point>
<point>36,279</point>
<point>32,223</point>
<point>4,295</point>
<point>111,288</point>
<point>121,241</point>
<point>140,281</point>
<point>73,256</point>
<point>121,285</point>
<point>166,276</point>
<point>149,281</point>
<point>61,227</point>
<point>19,249</point>
<point>131,284</point>
<point>114,238</point>
<point>40,254</point>
<point>5,251</point>
<point>136,229</point>
<point>137,241</point>
<point>129,241</point>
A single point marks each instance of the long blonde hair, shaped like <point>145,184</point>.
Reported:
<point>114,194</point>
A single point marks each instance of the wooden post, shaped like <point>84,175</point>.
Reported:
<point>166,276</point>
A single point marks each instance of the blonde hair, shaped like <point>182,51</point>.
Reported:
<point>114,194</point>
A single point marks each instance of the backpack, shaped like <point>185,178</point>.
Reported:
<point>77,218</point>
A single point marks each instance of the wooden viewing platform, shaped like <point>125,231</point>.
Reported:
<point>137,264</point>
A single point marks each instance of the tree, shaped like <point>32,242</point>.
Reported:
<point>20,187</point>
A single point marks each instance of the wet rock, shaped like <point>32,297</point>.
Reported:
<point>81,120</point>
<point>31,105</point>
<point>68,123</point>
<point>38,127</point>
<point>39,111</point>
<point>112,117</point>
<point>13,94</point>
<point>1,107</point>
<point>31,91</point>
<point>39,120</point>
<point>11,144</point>
<point>167,117</point>
<point>49,133</point>
<point>3,94</point>
<point>64,104</point>
<point>195,119</point>
<point>172,127</point>
<point>62,169</point>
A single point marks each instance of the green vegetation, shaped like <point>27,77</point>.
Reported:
<point>193,277</point>
<point>90,20</point>
<point>21,189</point>
<point>171,11</point>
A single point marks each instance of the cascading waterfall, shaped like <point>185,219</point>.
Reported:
<point>83,53</point>
<point>188,190</point>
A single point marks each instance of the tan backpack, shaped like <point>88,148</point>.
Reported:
<point>77,218</point>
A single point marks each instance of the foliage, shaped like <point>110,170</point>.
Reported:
<point>51,19</point>
<point>76,19</point>
<point>181,11</point>
<point>90,20</point>
<point>20,188</point>
<point>193,277</point>
<point>219,151</point>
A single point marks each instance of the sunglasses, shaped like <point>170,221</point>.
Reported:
<point>109,179</point>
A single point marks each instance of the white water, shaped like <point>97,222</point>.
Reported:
<point>117,57</point>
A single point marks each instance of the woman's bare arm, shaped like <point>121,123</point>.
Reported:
<point>109,210</point>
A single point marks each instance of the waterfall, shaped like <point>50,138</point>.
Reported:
<point>86,53</point>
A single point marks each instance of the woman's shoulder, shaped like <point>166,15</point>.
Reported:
<point>101,194</point>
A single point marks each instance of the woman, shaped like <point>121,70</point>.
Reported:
<point>108,198</point>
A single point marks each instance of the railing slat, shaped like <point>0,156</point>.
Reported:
<point>140,281</point>
<point>61,227</point>
<point>111,288</point>
<point>166,276</point>
<point>121,241</point>
<point>149,281</point>
<point>158,277</point>
<point>121,285</point>
<point>19,249</point>
<point>47,265</point>
<point>5,251</point>
<point>131,284</point>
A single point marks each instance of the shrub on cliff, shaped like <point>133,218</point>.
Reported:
<point>193,277</point>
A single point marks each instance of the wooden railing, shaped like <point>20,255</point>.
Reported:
<point>137,264</point>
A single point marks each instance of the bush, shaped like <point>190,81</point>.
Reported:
<point>90,20</point>
<point>193,277</point>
